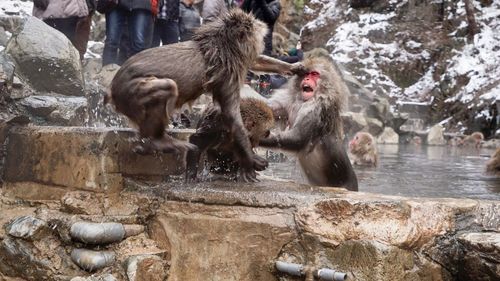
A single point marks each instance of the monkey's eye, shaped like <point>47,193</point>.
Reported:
<point>356,137</point>
<point>267,133</point>
<point>314,73</point>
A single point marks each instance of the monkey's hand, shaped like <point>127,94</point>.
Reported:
<point>299,69</point>
<point>41,4</point>
<point>259,163</point>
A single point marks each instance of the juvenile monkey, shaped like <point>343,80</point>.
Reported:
<point>216,142</point>
<point>493,165</point>
<point>151,84</point>
<point>475,139</point>
<point>311,105</point>
<point>363,149</point>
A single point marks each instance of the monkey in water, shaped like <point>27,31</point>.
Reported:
<point>475,140</point>
<point>311,105</point>
<point>216,142</point>
<point>363,149</point>
<point>151,84</point>
<point>493,165</point>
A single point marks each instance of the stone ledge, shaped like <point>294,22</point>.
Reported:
<point>94,159</point>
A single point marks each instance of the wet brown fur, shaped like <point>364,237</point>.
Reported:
<point>216,142</point>
<point>151,84</point>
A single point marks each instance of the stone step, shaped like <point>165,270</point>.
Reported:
<point>80,158</point>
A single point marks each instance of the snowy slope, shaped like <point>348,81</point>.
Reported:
<point>479,61</point>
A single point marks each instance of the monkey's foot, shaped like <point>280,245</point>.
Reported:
<point>247,175</point>
<point>168,144</point>
<point>144,148</point>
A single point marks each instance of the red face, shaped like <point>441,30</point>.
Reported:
<point>353,142</point>
<point>309,84</point>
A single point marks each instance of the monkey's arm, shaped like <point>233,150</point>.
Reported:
<point>269,64</point>
<point>307,128</point>
<point>231,117</point>
<point>208,134</point>
<point>280,102</point>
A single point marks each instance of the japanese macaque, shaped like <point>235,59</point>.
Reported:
<point>416,140</point>
<point>363,149</point>
<point>215,140</point>
<point>151,84</point>
<point>493,165</point>
<point>311,105</point>
<point>475,139</point>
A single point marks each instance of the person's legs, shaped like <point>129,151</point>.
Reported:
<point>82,34</point>
<point>115,19</point>
<point>140,25</point>
<point>124,48</point>
<point>66,26</point>
<point>156,33</point>
<point>169,32</point>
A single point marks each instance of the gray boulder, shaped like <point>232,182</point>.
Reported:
<point>388,136</point>
<point>27,227</point>
<point>62,111</point>
<point>46,59</point>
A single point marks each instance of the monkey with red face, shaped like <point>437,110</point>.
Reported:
<point>311,106</point>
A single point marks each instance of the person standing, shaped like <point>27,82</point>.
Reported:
<point>267,11</point>
<point>137,15</point>
<point>166,28</point>
<point>189,20</point>
<point>213,8</point>
<point>70,17</point>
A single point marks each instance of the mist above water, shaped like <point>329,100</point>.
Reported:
<point>418,171</point>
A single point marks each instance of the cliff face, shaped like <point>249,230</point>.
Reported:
<point>415,50</point>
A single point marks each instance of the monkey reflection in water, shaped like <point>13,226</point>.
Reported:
<point>216,144</point>
<point>311,105</point>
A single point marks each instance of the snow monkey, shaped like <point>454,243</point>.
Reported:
<point>311,104</point>
<point>493,165</point>
<point>151,84</point>
<point>475,139</point>
<point>363,149</point>
<point>216,142</point>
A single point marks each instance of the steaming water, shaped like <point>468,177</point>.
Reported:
<point>426,171</point>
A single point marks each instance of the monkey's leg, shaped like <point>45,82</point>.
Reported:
<point>153,128</point>
<point>203,141</point>
<point>159,97</point>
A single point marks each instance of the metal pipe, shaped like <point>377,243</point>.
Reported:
<point>103,233</point>
<point>293,269</point>
<point>92,260</point>
<point>327,274</point>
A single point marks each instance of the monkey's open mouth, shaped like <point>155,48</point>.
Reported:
<point>307,88</point>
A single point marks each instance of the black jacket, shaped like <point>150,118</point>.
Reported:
<point>135,4</point>
<point>267,11</point>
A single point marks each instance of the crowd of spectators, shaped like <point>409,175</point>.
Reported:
<point>136,25</point>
